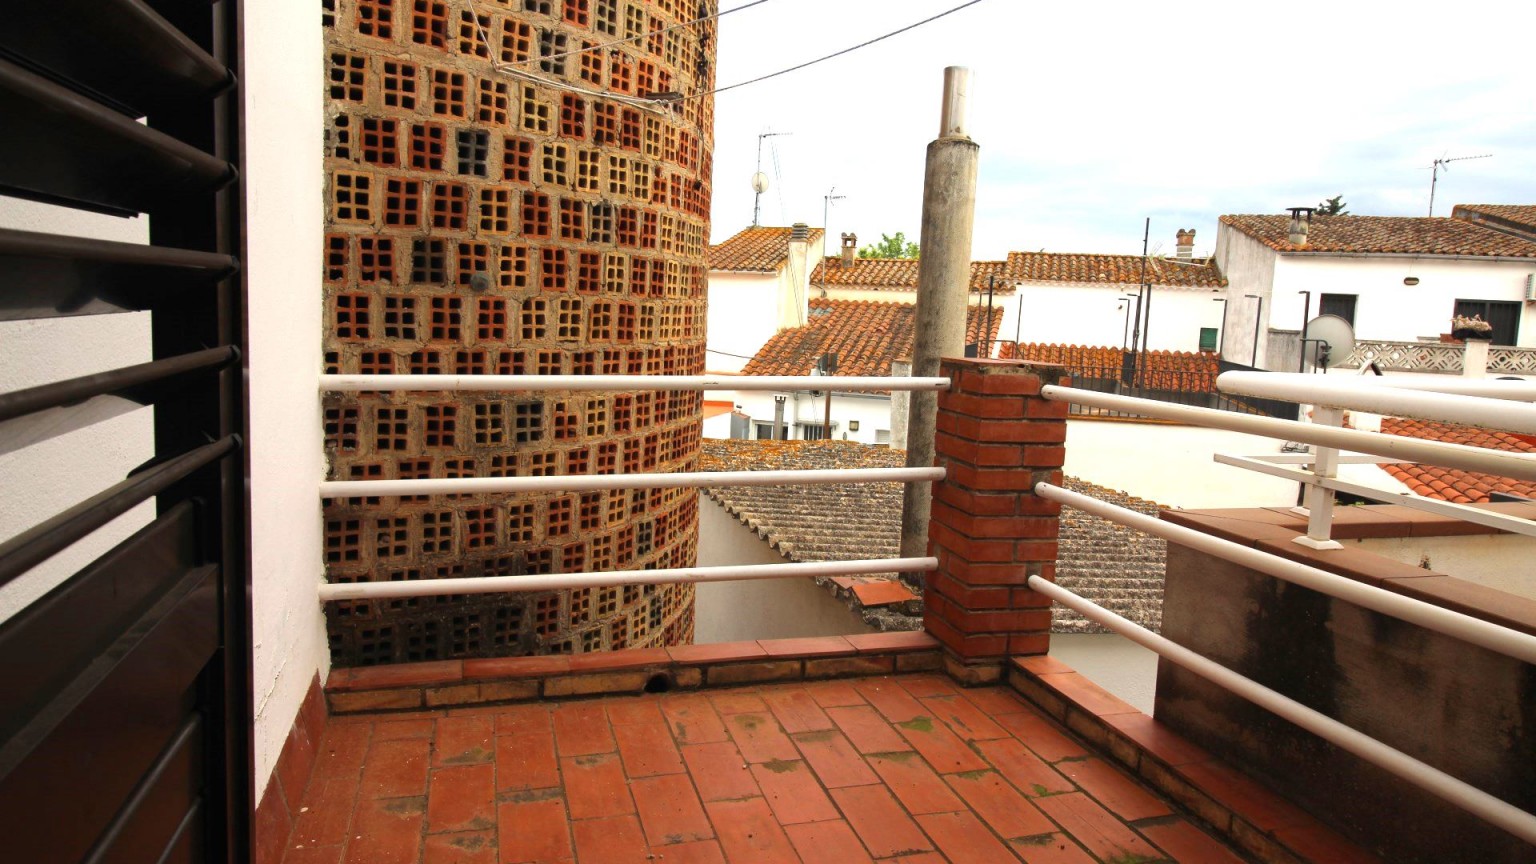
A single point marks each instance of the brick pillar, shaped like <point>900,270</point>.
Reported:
<point>990,532</point>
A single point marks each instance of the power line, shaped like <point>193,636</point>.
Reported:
<point>827,57</point>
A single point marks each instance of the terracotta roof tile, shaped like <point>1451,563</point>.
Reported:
<point>1420,235</point>
<point>1114,566</point>
<point>756,250</point>
<point>1517,219</point>
<point>866,336</point>
<point>899,274</point>
<point>1112,270</point>
<point>1453,484</point>
<point>1192,371</point>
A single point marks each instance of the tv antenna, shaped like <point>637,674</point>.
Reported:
<point>826,208</point>
<point>1435,170</point>
<point>759,179</point>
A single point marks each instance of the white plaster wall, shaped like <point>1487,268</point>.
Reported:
<point>50,476</point>
<point>743,313</point>
<point>283,189</point>
<point>758,609</point>
<point>1172,465</point>
<point>1501,561</point>
<point>1249,267</point>
<point>1095,315</point>
<point>872,412</point>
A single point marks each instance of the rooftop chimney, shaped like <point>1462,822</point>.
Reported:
<point>850,249</point>
<point>800,232</point>
<point>1301,222</point>
<point>1186,247</point>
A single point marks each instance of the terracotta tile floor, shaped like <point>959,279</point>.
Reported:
<point>909,769</point>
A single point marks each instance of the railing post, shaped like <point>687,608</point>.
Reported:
<point>1319,500</point>
<point>996,438</point>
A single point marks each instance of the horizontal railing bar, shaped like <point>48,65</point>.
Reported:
<point>1497,462</point>
<point>1426,777</point>
<point>41,542</point>
<point>1503,414</point>
<point>565,581</point>
<point>1512,524</point>
<point>531,383</point>
<point>1476,631</point>
<point>36,244</point>
<point>115,381</point>
<point>593,482</point>
<point>1518,390</point>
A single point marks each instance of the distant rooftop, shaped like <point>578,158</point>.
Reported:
<point>900,274</point>
<point>1114,566</point>
<point>1517,219</point>
<point>1112,269</point>
<point>1421,235</point>
<point>865,335</point>
<point>1453,484</point>
<point>755,250</point>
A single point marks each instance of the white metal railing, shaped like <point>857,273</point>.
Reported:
<point>1427,777</point>
<point>331,489</point>
<point>1330,399</point>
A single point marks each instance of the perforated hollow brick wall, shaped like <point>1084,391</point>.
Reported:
<point>480,221</point>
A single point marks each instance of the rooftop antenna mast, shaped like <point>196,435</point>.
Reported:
<point>759,179</point>
<point>826,208</point>
<point>1434,175</point>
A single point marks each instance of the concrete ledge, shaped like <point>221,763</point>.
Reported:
<point>1231,804</point>
<point>467,683</point>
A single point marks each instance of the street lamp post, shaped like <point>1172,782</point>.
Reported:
<point>1221,334</point>
<point>1125,334</point>
<point>1258,317</point>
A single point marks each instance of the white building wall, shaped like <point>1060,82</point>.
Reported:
<point>49,476</point>
<point>872,412</point>
<point>743,316</point>
<point>1249,267</point>
<point>763,608</point>
<point>283,184</point>
<point>1097,315</point>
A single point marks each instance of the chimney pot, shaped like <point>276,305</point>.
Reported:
<point>850,248</point>
<point>1301,223</point>
<point>1186,244</point>
<point>800,232</point>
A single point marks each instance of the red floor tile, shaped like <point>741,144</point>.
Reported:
<point>759,738</point>
<point>894,704</point>
<point>342,750</point>
<point>1094,827</point>
<point>638,709</point>
<point>647,749</point>
<point>1059,849</point>
<point>1185,843</point>
<point>834,760</point>
<point>581,729</point>
<point>867,730</point>
<point>834,694</point>
<point>797,711</point>
<point>595,786</point>
<point>996,700</point>
<point>927,685</point>
<point>1023,768</point>
<point>464,740</point>
<point>719,771</point>
<point>522,719</point>
<point>748,832</point>
<point>1114,790</point>
<point>614,840</point>
<point>693,720</point>
<point>387,831</point>
<point>471,847</point>
<point>965,719</point>
<point>702,852</point>
<point>999,804</point>
<point>526,761</point>
<point>941,747</point>
<point>964,840</point>
<point>313,855</point>
<point>827,843</point>
<point>389,730</point>
<point>461,798</point>
<point>396,769</point>
<point>881,824</point>
<point>793,792</point>
<point>914,783</point>
<point>921,858</point>
<point>534,831</point>
<point>670,810</point>
<point>1042,736</point>
<point>326,813</point>
<point>737,702</point>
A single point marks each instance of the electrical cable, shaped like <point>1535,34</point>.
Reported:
<point>825,58</point>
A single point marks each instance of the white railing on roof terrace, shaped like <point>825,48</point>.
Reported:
<point>1435,357</point>
<point>1478,403</point>
<point>591,482</point>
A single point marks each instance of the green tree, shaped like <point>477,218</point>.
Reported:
<point>1332,207</point>
<point>890,247</point>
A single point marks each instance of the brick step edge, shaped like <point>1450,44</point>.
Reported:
<point>1233,805</point>
<point>460,683</point>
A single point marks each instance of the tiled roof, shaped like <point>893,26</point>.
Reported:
<point>1112,270</point>
<point>866,336</point>
<point>1452,484</point>
<point>1191,371</point>
<point>1519,219</point>
<point>757,250</point>
<point>1421,235</point>
<point>1113,566</point>
<point>899,274</point>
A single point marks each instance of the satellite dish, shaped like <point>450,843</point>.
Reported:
<point>759,182</point>
<point>1327,340</point>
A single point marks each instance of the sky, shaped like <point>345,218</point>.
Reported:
<point>1093,116</point>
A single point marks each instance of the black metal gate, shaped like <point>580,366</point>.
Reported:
<point>125,690</point>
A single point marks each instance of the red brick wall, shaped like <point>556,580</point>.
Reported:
<point>996,438</point>
<point>479,222</point>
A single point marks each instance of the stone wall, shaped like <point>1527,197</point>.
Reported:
<point>502,200</point>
